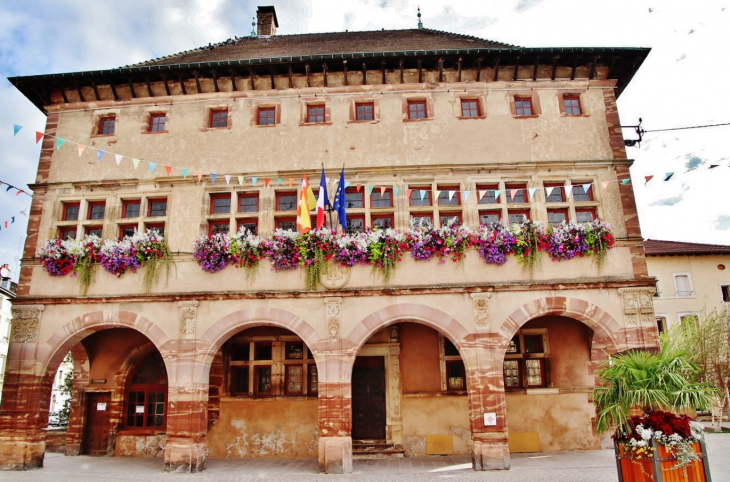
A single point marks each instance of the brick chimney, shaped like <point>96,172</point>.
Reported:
<point>266,20</point>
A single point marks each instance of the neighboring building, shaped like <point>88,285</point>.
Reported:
<point>487,357</point>
<point>690,278</point>
<point>7,295</point>
<point>58,398</point>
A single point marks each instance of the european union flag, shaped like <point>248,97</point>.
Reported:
<point>339,204</point>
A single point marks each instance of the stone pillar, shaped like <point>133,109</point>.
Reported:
<point>75,428</point>
<point>487,404</point>
<point>26,395</point>
<point>186,446</point>
<point>334,365</point>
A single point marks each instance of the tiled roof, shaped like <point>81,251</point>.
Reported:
<point>658,248</point>
<point>326,43</point>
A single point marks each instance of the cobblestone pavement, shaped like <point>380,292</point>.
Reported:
<point>579,466</point>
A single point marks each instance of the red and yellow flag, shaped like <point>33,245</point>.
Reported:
<point>305,204</point>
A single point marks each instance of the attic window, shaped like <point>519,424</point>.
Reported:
<point>107,126</point>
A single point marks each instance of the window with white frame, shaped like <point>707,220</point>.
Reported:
<point>657,285</point>
<point>682,285</point>
<point>725,293</point>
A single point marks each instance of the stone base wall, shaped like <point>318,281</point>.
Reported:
<point>56,441</point>
<point>140,445</point>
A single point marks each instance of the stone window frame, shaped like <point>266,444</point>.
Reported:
<point>149,112</point>
<point>525,94</point>
<point>352,109</point>
<point>481,105</point>
<point>312,102</point>
<point>82,223</point>
<point>97,117</point>
<point>502,205</point>
<point>427,98</point>
<point>278,364</point>
<point>143,220</point>
<point>257,105</point>
<point>523,357</point>
<point>569,202</point>
<point>234,217</point>
<point>209,109</point>
<point>581,95</point>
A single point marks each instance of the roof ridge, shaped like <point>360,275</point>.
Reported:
<point>235,40</point>
<point>686,242</point>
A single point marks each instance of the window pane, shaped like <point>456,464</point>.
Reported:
<point>354,199</point>
<point>93,232</point>
<point>221,205</point>
<point>266,117</point>
<point>364,112</point>
<point>452,220</point>
<point>68,233</point>
<point>382,223</point>
<point>554,194</point>
<point>515,194</point>
<point>313,381</point>
<point>416,197</point>
<point>72,213</point>
<point>489,218</point>
<point>315,114</point>
<point>533,343</point>
<point>294,351</point>
<point>131,210</point>
<point>107,125</point>
<point>96,211</point>
<point>355,225</point>
<point>683,288</point>
<point>263,382</point>
<point>158,123</point>
<point>517,218</point>
<point>557,217</point>
<point>158,208</point>
<point>287,225</point>
<point>490,197</point>
<point>579,194</point>
<point>449,198</point>
<point>534,373</point>
<point>514,345</point>
<point>449,348</point>
<point>469,108</point>
<point>263,352</point>
<point>220,228</point>
<point>240,380</point>
<point>585,216</point>
<point>240,352</point>
<point>158,229</point>
<point>424,222</point>
<point>248,204</point>
<point>416,110</point>
<point>523,106</point>
<point>294,379</point>
<point>288,202</point>
<point>455,379</point>
<point>511,373</point>
<point>381,200</point>
<point>128,231</point>
<point>219,119</point>
<point>251,227</point>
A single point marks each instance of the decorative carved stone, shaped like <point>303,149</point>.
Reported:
<point>334,316</point>
<point>188,316</point>
<point>26,323</point>
<point>393,333</point>
<point>638,305</point>
<point>394,381</point>
<point>336,277</point>
<point>480,302</point>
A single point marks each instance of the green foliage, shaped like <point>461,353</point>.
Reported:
<point>65,391</point>
<point>665,380</point>
<point>155,256</point>
<point>706,340</point>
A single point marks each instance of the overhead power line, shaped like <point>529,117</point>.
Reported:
<point>689,127</point>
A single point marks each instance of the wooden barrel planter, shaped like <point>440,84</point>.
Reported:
<point>661,467</point>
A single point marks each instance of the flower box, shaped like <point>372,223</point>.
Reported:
<point>657,464</point>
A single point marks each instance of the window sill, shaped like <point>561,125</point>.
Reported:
<point>154,132</point>
<point>140,431</point>
<point>211,129</point>
<point>266,398</point>
<point>562,114</point>
<point>374,121</point>
<point>471,117</point>
<point>542,391</point>
<point>305,124</point>
<point>110,137</point>
<point>525,116</point>
<point>263,125</point>
<point>418,120</point>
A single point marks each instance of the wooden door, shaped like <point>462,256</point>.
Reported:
<point>96,433</point>
<point>368,398</point>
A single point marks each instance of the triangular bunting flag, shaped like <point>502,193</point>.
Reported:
<point>9,188</point>
<point>359,186</point>
<point>586,187</point>
<point>99,155</point>
<point>513,193</point>
<point>436,194</point>
<point>568,191</point>
<point>278,181</point>
<point>625,181</point>
<point>370,190</point>
<point>212,177</point>
<point>451,194</point>
<point>668,176</point>
<point>38,136</point>
<point>291,181</point>
<point>228,179</point>
<point>347,183</point>
<point>81,148</point>
<point>605,184</point>
<point>168,170</point>
<point>19,191</point>
<point>254,179</point>
<point>12,220</point>
<point>551,190</point>
<point>648,178</point>
<point>712,166</point>
<point>266,182</point>
<point>240,180</point>
<point>496,194</point>
<point>382,191</point>
<point>118,158</point>
<point>395,192</point>
<point>23,213</point>
<point>152,166</point>
<point>423,194</point>
<point>408,193</point>
<point>135,162</point>
<point>532,191</point>
<point>480,194</point>
<point>184,173</point>
<point>59,142</point>
<point>200,176</point>
<point>16,129</point>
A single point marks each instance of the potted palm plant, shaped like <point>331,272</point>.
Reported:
<point>638,398</point>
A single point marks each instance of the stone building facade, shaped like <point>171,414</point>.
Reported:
<point>224,366</point>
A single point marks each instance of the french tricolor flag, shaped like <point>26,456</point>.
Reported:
<point>322,200</point>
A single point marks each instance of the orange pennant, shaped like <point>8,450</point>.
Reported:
<point>359,186</point>
<point>481,194</point>
<point>291,181</point>
<point>266,182</point>
<point>648,178</point>
<point>408,193</point>
<point>513,193</point>
<point>168,169</point>
<point>82,148</point>
<point>38,136</point>
<point>200,175</point>
<point>382,191</point>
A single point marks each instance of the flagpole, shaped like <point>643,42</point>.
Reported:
<point>329,206</point>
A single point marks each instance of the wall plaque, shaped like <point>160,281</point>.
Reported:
<point>98,381</point>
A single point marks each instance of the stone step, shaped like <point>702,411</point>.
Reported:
<point>376,449</point>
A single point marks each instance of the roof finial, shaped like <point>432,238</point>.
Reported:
<point>420,24</point>
<point>253,27</point>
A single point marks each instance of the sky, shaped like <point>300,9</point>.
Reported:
<point>680,84</point>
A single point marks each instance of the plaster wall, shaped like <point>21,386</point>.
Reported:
<point>705,277</point>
